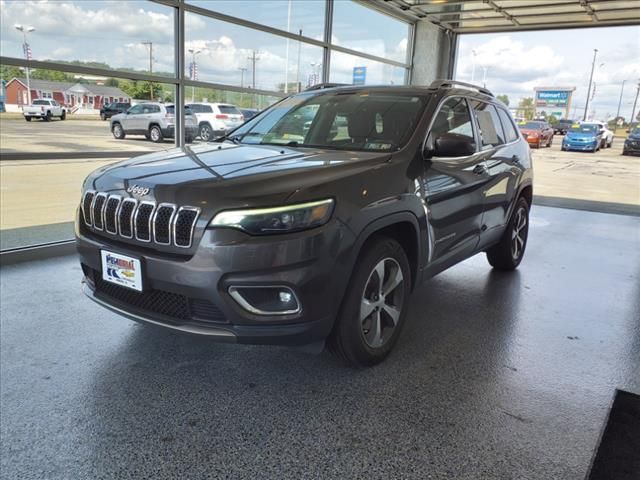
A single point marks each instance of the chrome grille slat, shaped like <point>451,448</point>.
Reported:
<point>162,224</point>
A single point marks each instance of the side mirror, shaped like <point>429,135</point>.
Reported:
<point>450,145</point>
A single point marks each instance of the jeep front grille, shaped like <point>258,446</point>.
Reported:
<point>164,224</point>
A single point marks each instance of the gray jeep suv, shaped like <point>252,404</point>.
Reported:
<point>156,121</point>
<point>313,221</point>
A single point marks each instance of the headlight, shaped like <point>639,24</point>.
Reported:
<point>284,219</point>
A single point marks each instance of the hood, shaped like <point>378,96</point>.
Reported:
<point>634,136</point>
<point>233,175</point>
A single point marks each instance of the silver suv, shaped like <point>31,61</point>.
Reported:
<point>215,119</point>
<point>156,121</point>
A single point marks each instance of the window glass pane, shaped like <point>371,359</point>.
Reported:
<point>230,109</point>
<point>508,126</point>
<point>453,117</point>
<point>363,29</point>
<point>40,179</point>
<point>287,15</point>
<point>489,124</point>
<point>233,55</point>
<point>350,69</point>
<point>96,33</point>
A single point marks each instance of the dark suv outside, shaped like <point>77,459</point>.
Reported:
<point>108,111</point>
<point>290,232</point>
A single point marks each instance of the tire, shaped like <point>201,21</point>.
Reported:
<point>188,139</point>
<point>103,117</point>
<point>550,142</point>
<point>64,115</point>
<point>205,132</point>
<point>365,340</point>
<point>610,144</point>
<point>47,118</point>
<point>155,134</point>
<point>508,252</point>
<point>118,131</point>
<point>28,119</point>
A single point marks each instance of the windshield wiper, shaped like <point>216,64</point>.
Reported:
<point>227,137</point>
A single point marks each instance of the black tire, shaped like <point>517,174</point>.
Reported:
<point>550,142</point>
<point>47,117</point>
<point>610,144</point>
<point>103,117</point>
<point>28,119</point>
<point>155,134</point>
<point>205,132</point>
<point>118,131</point>
<point>355,338</point>
<point>64,115</point>
<point>504,255</point>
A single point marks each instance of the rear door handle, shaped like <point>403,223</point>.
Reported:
<point>481,169</point>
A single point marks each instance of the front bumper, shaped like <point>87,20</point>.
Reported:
<point>309,262</point>
<point>568,144</point>
<point>631,148</point>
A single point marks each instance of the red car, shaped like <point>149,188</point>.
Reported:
<point>537,133</point>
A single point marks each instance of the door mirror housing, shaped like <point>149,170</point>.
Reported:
<point>450,145</point>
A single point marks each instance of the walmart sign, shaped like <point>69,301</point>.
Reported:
<point>552,98</point>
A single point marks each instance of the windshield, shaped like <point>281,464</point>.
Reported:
<point>583,128</point>
<point>342,120</point>
<point>530,125</point>
<point>41,102</point>
<point>635,131</point>
<point>229,109</point>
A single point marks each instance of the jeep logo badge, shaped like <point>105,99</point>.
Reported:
<point>138,191</point>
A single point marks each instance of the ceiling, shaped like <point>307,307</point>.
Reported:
<point>481,16</point>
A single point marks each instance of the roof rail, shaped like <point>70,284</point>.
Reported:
<point>320,86</point>
<point>452,83</point>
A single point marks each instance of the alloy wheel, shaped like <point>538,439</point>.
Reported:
<point>155,134</point>
<point>205,133</point>
<point>518,234</point>
<point>382,302</point>
<point>117,130</point>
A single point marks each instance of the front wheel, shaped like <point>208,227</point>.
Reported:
<point>375,304</point>
<point>508,252</point>
<point>118,131</point>
<point>103,117</point>
<point>28,119</point>
<point>64,115</point>
<point>610,144</point>
<point>47,118</point>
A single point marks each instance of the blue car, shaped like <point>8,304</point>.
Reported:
<point>583,136</point>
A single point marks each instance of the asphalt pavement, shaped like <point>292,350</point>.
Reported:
<point>496,376</point>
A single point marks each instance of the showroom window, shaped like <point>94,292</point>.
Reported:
<point>246,53</point>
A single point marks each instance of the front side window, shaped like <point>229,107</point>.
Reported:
<point>510,131</point>
<point>361,120</point>
<point>136,109</point>
<point>489,126</point>
<point>451,133</point>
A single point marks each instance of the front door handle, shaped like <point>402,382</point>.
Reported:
<point>481,169</point>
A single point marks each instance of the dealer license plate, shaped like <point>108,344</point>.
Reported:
<point>121,270</point>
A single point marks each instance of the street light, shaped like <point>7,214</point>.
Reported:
<point>27,54</point>
<point>193,52</point>
<point>473,68</point>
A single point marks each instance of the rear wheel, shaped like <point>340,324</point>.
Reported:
<point>64,115</point>
<point>610,144</point>
<point>118,131</point>
<point>508,252</point>
<point>375,304</point>
<point>206,132</point>
<point>103,116</point>
<point>28,119</point>
<point>155,134</point>
<point>47,118</point>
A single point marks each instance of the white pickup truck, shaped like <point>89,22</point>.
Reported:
<point>45,109</point>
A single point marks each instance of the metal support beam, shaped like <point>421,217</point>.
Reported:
<point>180,72</point>
<point>328,29</point>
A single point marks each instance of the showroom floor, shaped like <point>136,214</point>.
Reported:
<point>495,376</point>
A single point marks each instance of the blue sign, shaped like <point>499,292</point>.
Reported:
<point>359,75</point>
<point>552,98</point>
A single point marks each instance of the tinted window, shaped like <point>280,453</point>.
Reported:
<point>170,109</point>
<point>489,125</point>
<point>453,117</point>
<point>507,125</point>
<point>229,110</point>
<point>584,128</point>
<point>41,102</point>
<point>530,125</point>
<point>205,109</point>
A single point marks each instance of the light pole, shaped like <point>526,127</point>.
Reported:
<point>620,101</point>
<point>150,45</point>
<point>193,52</point>
<point>27,55</point>
<point>635,102</point>
<point>593,66</point>
<point>473,68</point>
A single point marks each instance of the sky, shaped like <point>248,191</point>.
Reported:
<point>112,32</point>
<point>517,62</point>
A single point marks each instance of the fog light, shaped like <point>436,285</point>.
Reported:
<point>266,300</point>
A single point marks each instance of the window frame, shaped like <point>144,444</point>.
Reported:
<point>474,127</point>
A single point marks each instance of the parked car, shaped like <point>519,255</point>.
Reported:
<point>215,119</point>
<point>607,135</point>
<point>632,143</point>
<point>259,238</point>
<point>248,113</point>
<point>583,136</point>
<point>156,121</point>
<point>108,111</point>
<point>561,126</point>
<point>45,109</point>
<point>537,133</point>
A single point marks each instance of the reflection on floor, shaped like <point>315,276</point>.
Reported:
<point>495,376</point>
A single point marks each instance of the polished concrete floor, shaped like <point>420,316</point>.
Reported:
<point>495,376</point>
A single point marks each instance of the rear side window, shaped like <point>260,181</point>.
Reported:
<point>205,109</point>
<point>491,133</point>
<point>509,128</point>
<point>170,109</point>
<point>229,110</point>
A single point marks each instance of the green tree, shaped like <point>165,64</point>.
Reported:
<point>552,119</point>
<point>7,72</point>
<point>527,107</point>
<point>111,82</point>
<point>504,99</point>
